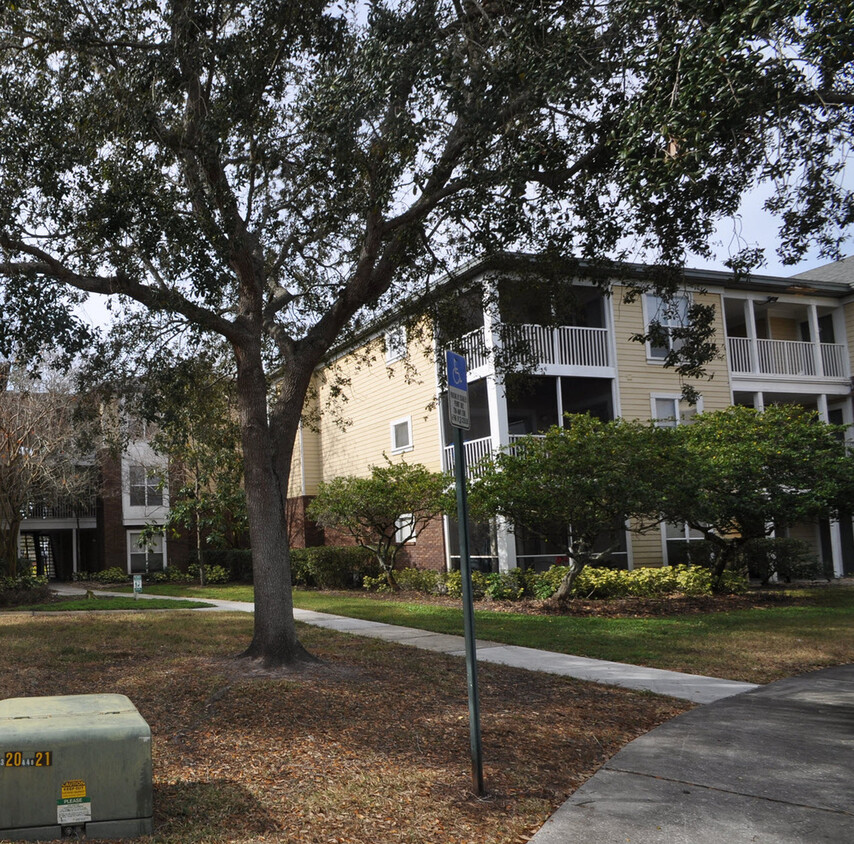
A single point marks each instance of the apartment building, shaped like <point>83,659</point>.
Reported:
<point>105,530</point>
<point>782,340</point>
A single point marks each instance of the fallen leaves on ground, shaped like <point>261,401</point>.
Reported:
<point>371,744</point>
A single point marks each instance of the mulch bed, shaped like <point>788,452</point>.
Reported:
<point>613,608</point>
<point>372,744</point>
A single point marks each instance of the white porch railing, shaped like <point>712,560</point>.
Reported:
<point>38,510</point>
<point>472,347</point>
<point>786,357</point>
<point>538,345</point>
<point>474,450</point>
<point>567,345</point>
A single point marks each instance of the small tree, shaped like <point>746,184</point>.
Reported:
<point>385,511</point>
<point>41,457</point>
<point>743,474</point>
<point>584,477</point>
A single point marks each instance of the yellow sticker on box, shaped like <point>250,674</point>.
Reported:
<point>73,788</point>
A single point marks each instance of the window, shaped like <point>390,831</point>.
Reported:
<point>401,435</point>
<point>668,315</point>
<point>395,343</point>
<point>145,555</point>
<point>668,411</point>
<point>677,539</point>
<point>145,490</point>
<point>405,528</point>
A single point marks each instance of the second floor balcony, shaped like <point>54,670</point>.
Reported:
<point>48,511</point>
<point>787,358</point>
<point>539,348</point>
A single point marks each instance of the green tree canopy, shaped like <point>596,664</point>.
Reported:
<point>582,479</point>
<point>385,511</point>
<point>743,474</point>
<point>280,173</point>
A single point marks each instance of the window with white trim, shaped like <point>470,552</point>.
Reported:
<point>401,435</point>
<point>145,554</point>
<point>670,410</point>
<point>144,486</point>
<point>668,314</point>
<point>677,539</point>
<point>405,529</point>
<point>395,343</point>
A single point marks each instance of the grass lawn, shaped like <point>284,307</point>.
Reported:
<point>372,744</point>
<point>760,644</point>
<point>106,602</point>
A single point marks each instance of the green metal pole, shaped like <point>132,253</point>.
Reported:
<point>468,616</point>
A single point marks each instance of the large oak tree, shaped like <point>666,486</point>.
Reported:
<point>278,173</point>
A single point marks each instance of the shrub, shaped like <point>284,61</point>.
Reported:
<point>23,589</point>
<point>505,585</point>
<point>597,583</point>
<point>332,567</point>
<point>428,581</point>
<point>111,575</point>
<point>787,558</point>
<point>236,561</point>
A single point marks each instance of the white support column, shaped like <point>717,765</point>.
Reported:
<point>759,401</point>
<point>835,531</point>
<point>815,339</point>
<point>498,428</point>
<point>752,345</point>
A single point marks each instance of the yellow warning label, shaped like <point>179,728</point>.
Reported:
<point>73,788</point>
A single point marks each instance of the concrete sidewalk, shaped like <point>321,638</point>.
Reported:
<point>774,765</point>
<point>691,687</point>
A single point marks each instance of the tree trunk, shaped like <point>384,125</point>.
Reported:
<point>564,591</point>
<point>275,642</point>
<point>9,546</point>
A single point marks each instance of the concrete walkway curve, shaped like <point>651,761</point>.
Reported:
<point>772,766</point>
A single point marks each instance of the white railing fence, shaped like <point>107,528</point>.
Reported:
<point>786,357</point>
<point>474,450</point>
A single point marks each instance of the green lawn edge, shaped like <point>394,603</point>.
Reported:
<point>755,645</point>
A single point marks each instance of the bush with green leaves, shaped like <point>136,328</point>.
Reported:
<point>332,567</point>
<point>23,589</point>
<point>592,582</point>
<point>236,561</point>
<point>111,575</point>
<point>428,581</point>
<point>789,559</point>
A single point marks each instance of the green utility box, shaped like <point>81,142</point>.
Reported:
<point>74,766</point>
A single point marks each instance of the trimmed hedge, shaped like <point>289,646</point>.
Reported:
<point>598,583</point>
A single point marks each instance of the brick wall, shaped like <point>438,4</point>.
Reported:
<point>112,541</point>
<point>302,531</point>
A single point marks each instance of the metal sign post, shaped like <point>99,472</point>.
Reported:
<point>458,412</point>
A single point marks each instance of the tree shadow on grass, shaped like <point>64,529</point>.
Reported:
<point>219,809</point>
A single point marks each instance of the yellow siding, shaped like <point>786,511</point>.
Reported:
<point>355,423</point>
<point>646,548</point>
<point>849,333</point>
<point>783,329</point>
<point>807,533</point>
<point>640,378</point>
